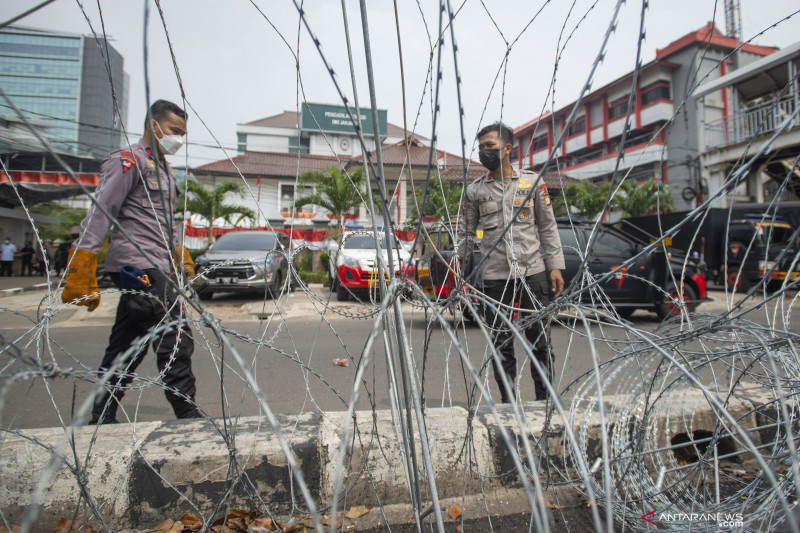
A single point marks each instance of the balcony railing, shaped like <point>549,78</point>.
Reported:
<point>741,127</point>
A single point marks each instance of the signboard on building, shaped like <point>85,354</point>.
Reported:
<point>336,119</point>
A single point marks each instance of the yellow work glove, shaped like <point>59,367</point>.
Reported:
<point>183,258</point>
<point>81,279</point>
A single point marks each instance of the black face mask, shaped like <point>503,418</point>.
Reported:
<point>490,158</point>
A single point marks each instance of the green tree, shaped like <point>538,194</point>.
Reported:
<point>444,200</point>
<point>210,204</point>
<point>333,190</point>
<point>584,198</point>
<point>646,198</point>
<point>70,217</point>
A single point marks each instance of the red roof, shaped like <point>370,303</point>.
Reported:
<point>711,35</point>
<point>287,119</point>
<point>271,164</point>
<point>418,155</point>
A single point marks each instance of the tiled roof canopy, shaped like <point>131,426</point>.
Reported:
<point>271,164</point>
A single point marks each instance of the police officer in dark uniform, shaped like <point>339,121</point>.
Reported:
<point>137,187</point>
<point>524,269</point>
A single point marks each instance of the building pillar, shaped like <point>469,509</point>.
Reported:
<point>403,213</point>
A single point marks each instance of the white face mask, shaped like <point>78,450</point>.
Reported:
<point>169,144</point>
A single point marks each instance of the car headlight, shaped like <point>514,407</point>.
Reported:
<point>763,266</point>
<point>350,262</point>
<point>261,263</point>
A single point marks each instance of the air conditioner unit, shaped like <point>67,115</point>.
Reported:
<point>344,144</point>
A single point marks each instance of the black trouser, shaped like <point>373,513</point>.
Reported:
<point>26,265</point>
<point>537,332</point>
<point>5,268</point>
<point>136,314</point>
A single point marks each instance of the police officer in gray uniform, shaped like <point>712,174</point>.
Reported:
<point>137,187</point>
<point>524,269</point>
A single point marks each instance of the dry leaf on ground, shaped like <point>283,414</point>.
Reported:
<point>552,505</point>
<point>327,521</point>
<point>237,524</point>
<point>166,525</point>
<point>14,529</point>
<point>454,512</point>
<point>265,523</point>
<point>65,525</point>
<point>356,512</point>
<point>192,521</point>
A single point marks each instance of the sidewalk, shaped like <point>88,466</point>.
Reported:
<point>18,284</point>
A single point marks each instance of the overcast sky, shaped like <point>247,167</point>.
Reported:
<point>239,65</point>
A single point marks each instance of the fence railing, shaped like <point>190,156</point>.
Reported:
<point>741,127</point>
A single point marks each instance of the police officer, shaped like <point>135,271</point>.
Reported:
<point>138,189</point>
<point>524,269</point>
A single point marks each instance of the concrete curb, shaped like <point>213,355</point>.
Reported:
<point>19,290</point>
<point>138,474</point>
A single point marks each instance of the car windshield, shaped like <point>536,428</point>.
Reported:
<point>244,240</point>
<point>777,233</point>
<point>365,242</point>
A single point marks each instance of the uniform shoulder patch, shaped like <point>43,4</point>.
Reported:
<point>545,194</point>
<point>128,160</point>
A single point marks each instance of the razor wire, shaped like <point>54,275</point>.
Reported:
<point>694,420</point>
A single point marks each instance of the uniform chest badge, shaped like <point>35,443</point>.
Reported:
<point>545,194</point>
<point>524,183</point>
<point>517,202</point>
<point>524,214</point>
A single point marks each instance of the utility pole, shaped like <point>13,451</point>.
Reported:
<point>733,25</point>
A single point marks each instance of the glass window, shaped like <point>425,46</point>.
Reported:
<point>619,107</point>
<point>579,126</point>
<point>26,66</point>
<point>608,243</point>
<point>29,86</point>
<point>540,143</point>
<point>41,45</point>
<point>740,232</point>
<point>241,143</point>
<point>655,91</point>
<point>569,240</point>
<point>286,196</point>
<point>244,240</point>
<point>366,242</point>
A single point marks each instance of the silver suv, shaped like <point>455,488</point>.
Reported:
<point>244,261</point>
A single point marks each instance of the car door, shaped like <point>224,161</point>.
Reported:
<point>609,250</point>
<point>572,239</point>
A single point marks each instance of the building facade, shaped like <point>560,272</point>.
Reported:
<point>318,129</point>
<point>663,136</point>
<point>76,83</point>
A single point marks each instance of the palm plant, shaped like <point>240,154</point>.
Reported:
<point>333,190</point>
<point>646,198</point>
<point>210,204</point>
<point>444,199</point>
<point>584,198</point>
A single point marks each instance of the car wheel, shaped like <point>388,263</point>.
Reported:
<point>205,294</point>
<point>735,282</point>
<point>671,305</point>
<point>342,294</point>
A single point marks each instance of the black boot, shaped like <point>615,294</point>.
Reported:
<point>104,410</point>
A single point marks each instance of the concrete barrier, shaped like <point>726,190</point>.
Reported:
<point>135,475</point>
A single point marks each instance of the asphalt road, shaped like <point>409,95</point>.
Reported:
<point>290,360</point>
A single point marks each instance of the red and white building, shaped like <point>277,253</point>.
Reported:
<point>664,134</point>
